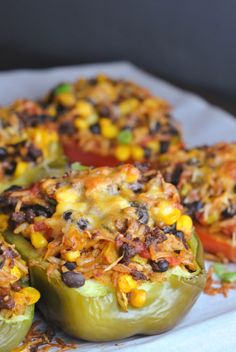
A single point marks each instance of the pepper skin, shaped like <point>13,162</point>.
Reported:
<point>100,318</point>
<point>216,243</point>
<point>13,333</point>
<point>53,167</point>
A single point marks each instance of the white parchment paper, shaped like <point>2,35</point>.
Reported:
<point>211,324</point>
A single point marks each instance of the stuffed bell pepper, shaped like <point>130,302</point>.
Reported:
<point>29,144</point>
<point>17,299</point>
<point>103,121</point>
<point>109,249</point>
<point>206,180</point>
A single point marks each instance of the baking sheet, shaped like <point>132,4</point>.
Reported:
<point>210,326</point>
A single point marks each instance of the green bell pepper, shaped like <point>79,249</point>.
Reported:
<point>13,331</point>
<point>54,166</point>
<point>92,311</point>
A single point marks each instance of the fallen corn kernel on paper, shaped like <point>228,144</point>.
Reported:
<point>210,325</point>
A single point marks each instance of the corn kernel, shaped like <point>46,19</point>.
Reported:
<point>21,168</point>
<point>126,283</point>
<point>128,106</point>
<point>31,295</point>
<point>81,124</point>
<point>137,153</point>
<point>66,195</point>
<point>109,130</point>
<point>3,222</point>
<point>122,152</point>
<point>83,108</point>
<point>51,110</point>
<point>15,271</point>
<point>138,298</point>
<point>154,146</point>
<point>71,256</point>
<point>38,240</point>
<point>150,103</point>
<point>166,213</point>
<point>66,99</point>
<point>184,223</point>
<point>65,206</point>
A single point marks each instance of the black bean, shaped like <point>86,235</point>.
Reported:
<point>33,153</point>
<point>127,251</point>
<point>164,146</point>
<point>29,215</point>
<point>3,153</point>
<point>103,111</point>
<point>160,265</point>
<point>159,235</point>
<point>141,211</point>
<point>70,266</point>
<point>175,177</point>
<point>147,153</point>
<point>194,207</point>
<point>67,128</point>
<point>40,210</point>
<point>73,279</point>
<point>180,236</point>
<point>67,215</point>
<point>136,187</point>
<point>229,212</point>
<point>170,229</point>
<point>173,131</point>
<point>137,275</point>
<point>10,169</point>
<point>95,128</point>
<point>156,128</point>
<point>82,224</point>
<point>18,217</point>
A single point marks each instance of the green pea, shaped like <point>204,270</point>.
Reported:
<point>63,88</point>
<point>125,136</point>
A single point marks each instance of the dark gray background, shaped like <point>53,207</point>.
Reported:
<point>190,43</point>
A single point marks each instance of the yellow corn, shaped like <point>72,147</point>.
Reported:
<point>65,206</point>
<point>150,103</point>
<point>81,124</point>
<point>128,106</point>
<point>38,240</point>
<point>66,195</point>
<point>66,99</point>
<point>154,146</point>
<point>71,256</point>
<point>109,130</point>
<point>138,298</point>
<point>83,108</point>
<point>137,153</point>
<point>21,168</point>
<point>122,152</point>
<point>31,295</point>
<point>51,110</point>
<point>184,223</point>
<point>126,283</point>
<point>3,222</point>
<point>166,213</point>
<point>15,271</point>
